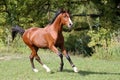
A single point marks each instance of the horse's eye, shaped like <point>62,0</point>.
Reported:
<point>65,16</point>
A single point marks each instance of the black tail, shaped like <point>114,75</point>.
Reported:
<point>16,30</point>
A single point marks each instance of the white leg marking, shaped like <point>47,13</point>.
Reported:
<point>47,69</point>
<point>35,70</point>
<point>75,69</point>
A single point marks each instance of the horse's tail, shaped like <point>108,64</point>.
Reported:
<point>16,30</point>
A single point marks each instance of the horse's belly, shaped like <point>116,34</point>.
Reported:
<point>41,43</point>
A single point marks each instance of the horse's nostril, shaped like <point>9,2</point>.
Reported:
<point>70,24</point>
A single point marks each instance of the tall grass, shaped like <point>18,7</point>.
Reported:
<point>112,50</point>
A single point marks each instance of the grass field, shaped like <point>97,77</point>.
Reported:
<point>17,67</point>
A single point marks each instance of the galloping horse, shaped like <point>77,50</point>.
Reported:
<point>49,37</point>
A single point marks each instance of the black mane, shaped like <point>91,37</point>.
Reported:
<point>57,13</point>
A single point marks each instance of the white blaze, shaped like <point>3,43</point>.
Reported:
<point>70,23</point>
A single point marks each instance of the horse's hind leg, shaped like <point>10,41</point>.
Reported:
<point>34,51</point>
<point>32,63</point>
<point>39,60</point>
<point>35,55</point>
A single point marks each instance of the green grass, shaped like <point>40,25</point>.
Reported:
<point>18,67</point>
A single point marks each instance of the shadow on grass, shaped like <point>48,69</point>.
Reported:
<point>93,72</point>
<point>84,73</point>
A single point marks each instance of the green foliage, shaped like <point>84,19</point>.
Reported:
<point>4,35</point>
<point>76,42</point>
<point>111,49</point>
<point>98,37</point>
<point>2,18</point>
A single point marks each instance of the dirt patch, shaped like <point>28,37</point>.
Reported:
<point>9,57</point>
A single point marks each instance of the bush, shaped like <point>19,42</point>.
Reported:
<point>77,41</point>
<point>6,44</point>
<point>112,50</point>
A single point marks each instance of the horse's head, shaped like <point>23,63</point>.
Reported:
<point>65,19</point>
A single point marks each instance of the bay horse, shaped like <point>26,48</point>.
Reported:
<point>48,37</point>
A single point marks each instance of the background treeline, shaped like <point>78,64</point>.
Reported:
<point>95,30</point>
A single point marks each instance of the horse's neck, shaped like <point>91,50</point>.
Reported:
<point>57,25</point>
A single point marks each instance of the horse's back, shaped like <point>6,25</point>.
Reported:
<point>30,32</point>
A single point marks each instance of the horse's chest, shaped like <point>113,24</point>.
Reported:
<point>57,37</point>
<point>59,40</point>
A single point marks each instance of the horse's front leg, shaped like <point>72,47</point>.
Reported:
<point>69,59</point>
<point>54,49</point>
<point>62,63</point>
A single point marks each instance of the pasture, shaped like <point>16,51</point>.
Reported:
<point>17,67</point>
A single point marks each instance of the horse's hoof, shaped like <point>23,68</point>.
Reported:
<point>48,70</point>
<point>75,69</point>
<point>60,69</point>
<point>35,70</point>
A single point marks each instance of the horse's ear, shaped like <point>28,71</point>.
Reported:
<point>61,10</point>
<point>68,11</point>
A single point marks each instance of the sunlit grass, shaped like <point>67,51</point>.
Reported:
<point>18,67</point>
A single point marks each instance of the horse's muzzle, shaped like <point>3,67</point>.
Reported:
<point>70,25</point>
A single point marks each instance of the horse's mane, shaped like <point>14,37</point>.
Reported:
<point>57,13</point>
